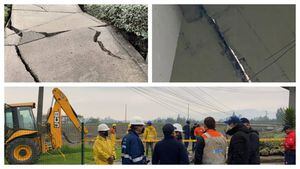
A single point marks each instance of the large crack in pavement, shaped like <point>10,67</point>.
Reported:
<point>21,34</point>
<point>227,49</point>
<point>16,30</point>
<point>27,67</point>
<point>95,39</point>
<point>46,34</point>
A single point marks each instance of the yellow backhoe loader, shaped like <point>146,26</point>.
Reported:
<point>25,138</point>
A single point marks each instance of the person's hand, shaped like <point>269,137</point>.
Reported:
<point>110,160</point>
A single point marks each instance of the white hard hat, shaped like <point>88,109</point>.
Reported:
<point>178,127</point>
<point>137,121</point>
<point>103,127</point>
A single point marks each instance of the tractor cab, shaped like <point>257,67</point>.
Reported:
<point>19,117</point>
<point>21,135</point>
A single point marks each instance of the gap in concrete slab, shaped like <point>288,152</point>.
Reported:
<point>105,25</point>
<point>17,31</point>
<point>27,67</point>
<point>227,49</point>
<point>46,34</point>
<point>95,39</point>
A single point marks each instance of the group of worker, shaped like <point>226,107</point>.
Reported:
<point>210,147</point>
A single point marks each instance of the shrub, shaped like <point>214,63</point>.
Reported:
<point>7,10</point>
<point>132,18</point>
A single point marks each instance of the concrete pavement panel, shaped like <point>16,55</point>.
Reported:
<point>14,69</point>
<point>28,7</point>
<point>61,8</point>
<point>30,36</point>
<point>74,56</point>
<point>263,35</point>
<point>11,38</point>
<point>23,20</point>
<point>199,57</point>
<point>73,21</point>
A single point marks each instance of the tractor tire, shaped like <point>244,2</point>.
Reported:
<point>22,151</point>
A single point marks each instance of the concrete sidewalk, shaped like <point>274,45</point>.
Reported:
<point>60,43</point>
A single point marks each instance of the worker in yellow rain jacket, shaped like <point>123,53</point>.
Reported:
<point>150,136</point>
<point>128,128</point>
<point>113,132</point>
<point>103,149</point>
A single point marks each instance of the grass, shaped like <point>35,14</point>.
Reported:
<point>72,156</point>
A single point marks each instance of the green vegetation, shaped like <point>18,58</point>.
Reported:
<point>7,9</point>
<point>290,117</point>
<point>131,20</point>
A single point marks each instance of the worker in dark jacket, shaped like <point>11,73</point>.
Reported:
<point>187,133</point>
<point>193,137</point>
<point>169,150</point>
<point>254,157</point>
<point>132,146</point>
<point>239,146</point>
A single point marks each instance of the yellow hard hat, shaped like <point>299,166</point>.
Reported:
<point>114,125</point>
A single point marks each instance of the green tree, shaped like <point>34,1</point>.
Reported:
<point>290,117</point>
<point>280,114</point>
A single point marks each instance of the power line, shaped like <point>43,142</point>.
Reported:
<point>215,99</point>
<point>136,90</point>
<point>169,100</point>
<point>203,106</point>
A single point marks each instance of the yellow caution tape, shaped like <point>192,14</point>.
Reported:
<point>193,140</point>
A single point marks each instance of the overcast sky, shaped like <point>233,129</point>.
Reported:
<point>151,103</point>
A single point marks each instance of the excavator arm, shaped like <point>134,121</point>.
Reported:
<point>54,119</point>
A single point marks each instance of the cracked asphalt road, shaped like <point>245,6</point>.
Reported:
<point>57,43</point>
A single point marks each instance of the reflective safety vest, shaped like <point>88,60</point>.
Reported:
<point>214,151</point>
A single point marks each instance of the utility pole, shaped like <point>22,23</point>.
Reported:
<point>125,113</point>
<point>188,112</point>
<point>40,108</point>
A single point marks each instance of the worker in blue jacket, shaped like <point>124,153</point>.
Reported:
<point>132,146</point>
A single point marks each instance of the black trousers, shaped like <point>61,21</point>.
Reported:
<point>290,157</point>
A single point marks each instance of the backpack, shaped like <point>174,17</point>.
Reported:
<point>214,151</point>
